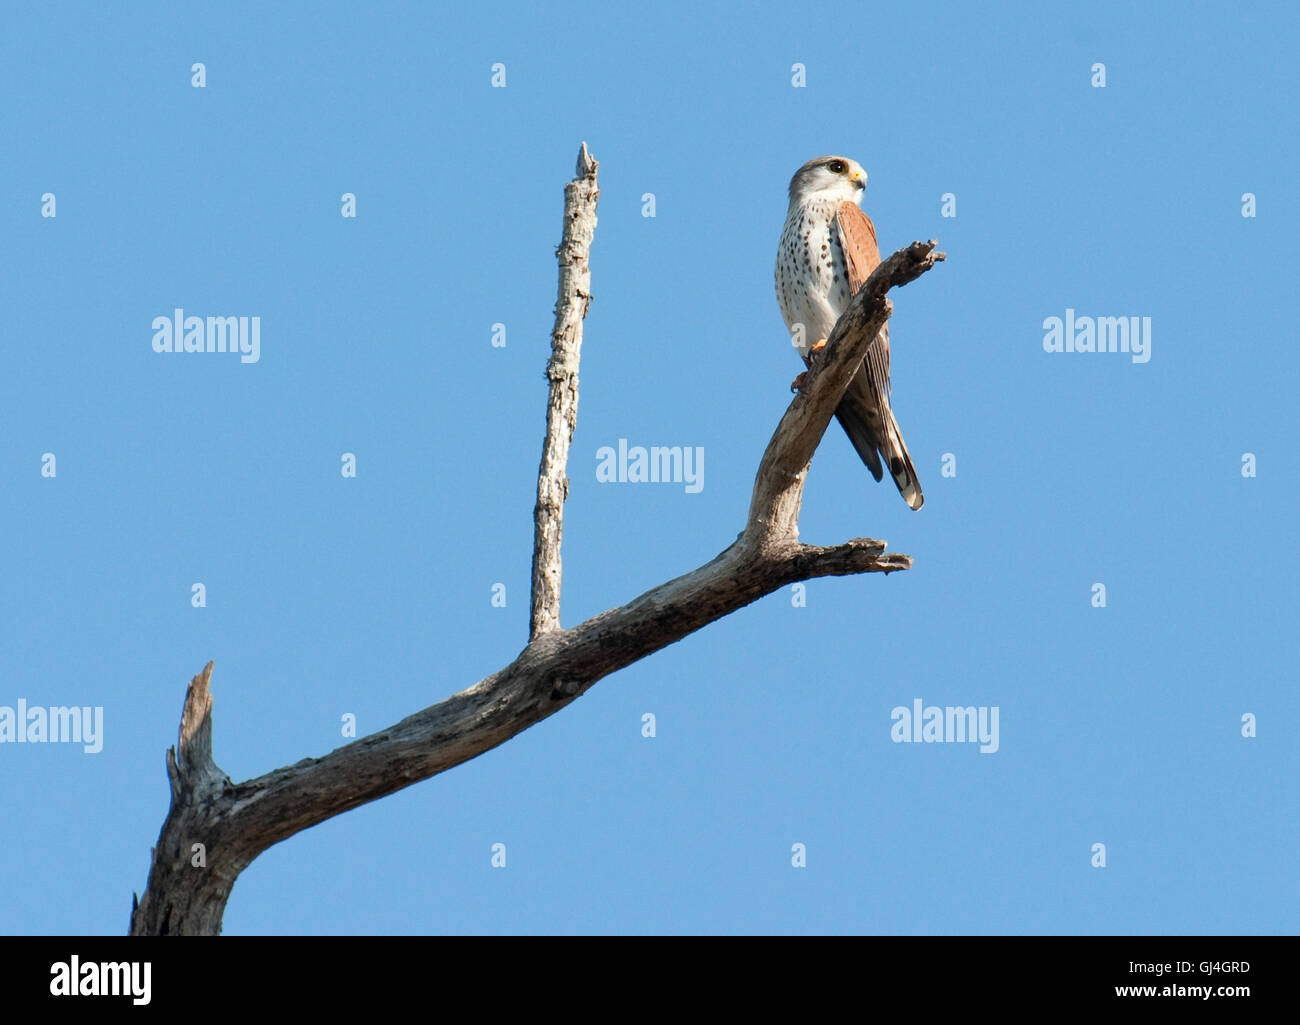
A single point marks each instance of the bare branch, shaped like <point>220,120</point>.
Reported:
<point>580,197</point>
<point>236,822</point>
<point>177,900</point>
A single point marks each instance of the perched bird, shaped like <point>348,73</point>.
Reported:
<point>827,250</point>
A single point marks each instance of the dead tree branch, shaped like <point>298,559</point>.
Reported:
<point>580,197</point>
<point>235,822</point>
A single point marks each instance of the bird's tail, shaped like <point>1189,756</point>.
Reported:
<point>861,435</point>
<point>894,449</point>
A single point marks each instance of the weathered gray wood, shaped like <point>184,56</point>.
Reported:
<point>571,304</point>
<point>235,822</point>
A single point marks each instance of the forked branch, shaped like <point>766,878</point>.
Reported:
<point>234,822</point>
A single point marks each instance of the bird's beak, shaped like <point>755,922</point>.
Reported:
<point>859,179</point>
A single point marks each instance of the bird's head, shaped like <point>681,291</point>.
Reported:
<point>837,178</point>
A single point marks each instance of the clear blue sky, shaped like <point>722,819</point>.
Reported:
<point>372,596</point>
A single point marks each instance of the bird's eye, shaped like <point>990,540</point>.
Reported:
<point>837,167</point>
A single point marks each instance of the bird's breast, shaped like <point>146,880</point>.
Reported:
<point>810,268</point>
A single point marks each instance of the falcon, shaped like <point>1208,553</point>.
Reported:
<point>827,250</point>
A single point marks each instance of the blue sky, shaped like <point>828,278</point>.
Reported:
<point>1119,725</point>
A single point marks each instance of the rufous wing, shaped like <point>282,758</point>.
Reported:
<point>858,237</point>
<point>864,411</point>
<point>861,257</point>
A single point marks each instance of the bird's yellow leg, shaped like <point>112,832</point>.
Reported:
<point>817,347</point>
